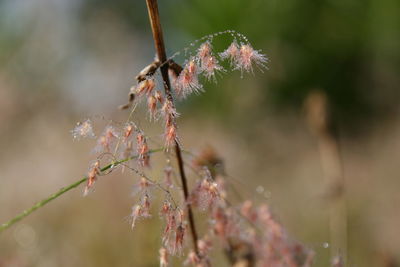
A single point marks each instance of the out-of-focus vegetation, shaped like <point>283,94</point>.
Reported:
<point>61,61</point>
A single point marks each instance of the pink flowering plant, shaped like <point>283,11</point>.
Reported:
<point>249,235</point>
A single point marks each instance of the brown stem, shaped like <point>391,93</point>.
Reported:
<point>154,16</point>
<point>175,67</point>
<point>147,71</point>
<point>322,125</point>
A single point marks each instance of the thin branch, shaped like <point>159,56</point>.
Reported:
<point>175,67</point>
<point>63,190</point>
<point>157,184</point>
<point>154,17</point>
<point>148,71</point>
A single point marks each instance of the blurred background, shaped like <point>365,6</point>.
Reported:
<point>321,121</point>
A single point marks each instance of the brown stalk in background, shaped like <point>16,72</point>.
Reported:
<point>321,124</point>
<point>154,17</point>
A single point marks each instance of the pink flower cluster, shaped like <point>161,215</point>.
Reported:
<point>185,80</point>
<point>175,229</point>
<point>114,142</point>
<point>94,171</point>
<point>242,57</point>
<point>247,233</point>
<point>83,130</point>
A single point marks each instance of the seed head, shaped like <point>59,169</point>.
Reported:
<point>179,238</point>
<point>168,110</point>
<point>248,56</point>
<point>337,261</point>
<point>128,129</point>
<point>204,50</point>
<point>210,66</point>
<point>141,210</point>
<point>204,245</point>
<point>152,106</point>
<point>107,139</point>
<point>163,257</point>
<point>187,81</point>
<point>83,130</point>
<point>142,150</point>
<point>231,53</point>
<point>159,97</point>
<point>248,211</point>
<point>94,170</point>
<point>170,135</point>
<point>146,86</point>
<point>192,259</point>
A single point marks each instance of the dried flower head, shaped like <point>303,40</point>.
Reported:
<point>231,53</point>
<point>210,67</point>
<point>107,139</point>
<point>179,239</point>
<point>170,135</point>
<point>94,171</point>
<point>168,110</point>
<point>192,259</point>
<point>204,245</point>
<point>128,129</point>
<point>159,97</point>
<point>248,211</point>
<point>146,86</point>
<point>171,221</point>
<point>205,194</point>
<point>204,50</point>
<point>141,210</point>
<point>187,81</point>
<point>163,257</point>
<point>83,130</point>
<point>248,56</point>
<point>142,150</point>
<point>337,261</point>
<point>152,106</point>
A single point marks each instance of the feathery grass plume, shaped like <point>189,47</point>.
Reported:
<point>83,130</point>
<point>164,259</point>
<point>207,61</point>
<point>142,150</point>
<point>107,140</point>
<point>94,171</point>
<point>231,53</point>
<point>145,87</point>
<point>248,57</point>
<point>188,81</point>
<point>235,228</point>
<point>141,210</point>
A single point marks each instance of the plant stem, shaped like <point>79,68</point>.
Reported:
<point>317,105</point>
<point>63,190</point>
<point>40,204</point>
<point>154,17</point>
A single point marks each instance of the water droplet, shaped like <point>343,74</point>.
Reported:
<point>25,236</point>
<point>260,189</point>
<point>325,245</point>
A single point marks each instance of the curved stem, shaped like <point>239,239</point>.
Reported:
<point>63,190</point>
<point>40,204</point>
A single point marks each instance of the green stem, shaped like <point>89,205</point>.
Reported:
<point>63,190</point>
